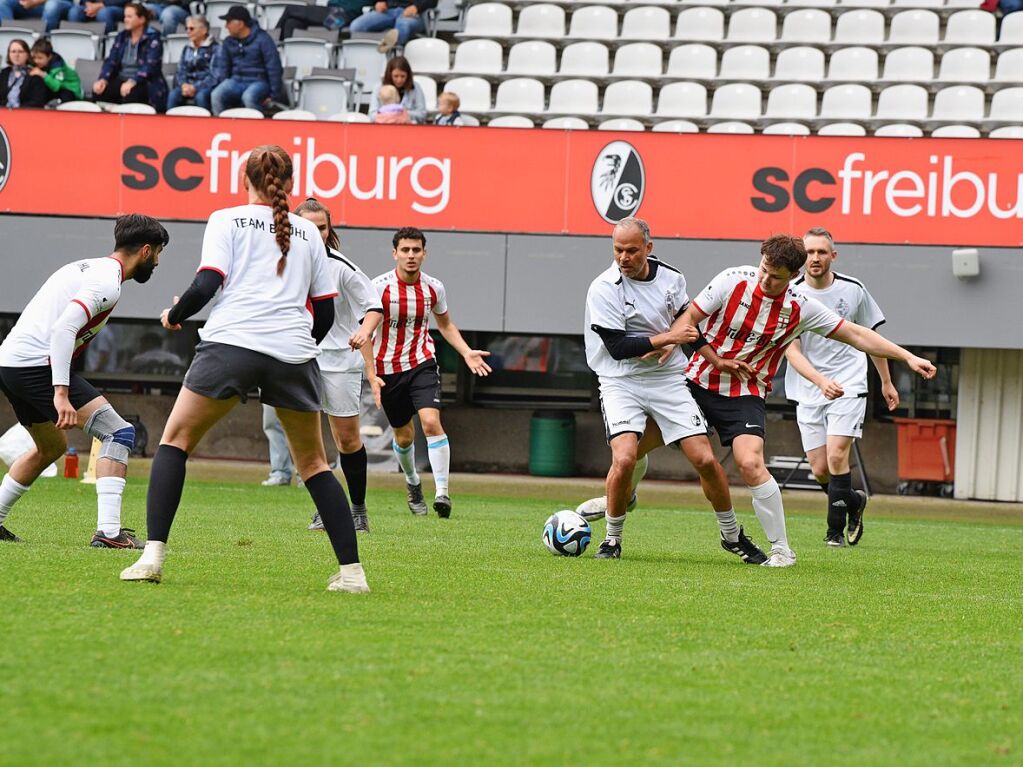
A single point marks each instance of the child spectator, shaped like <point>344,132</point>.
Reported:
<point>447,109</point>
<point>391,110</point>
<point>59,81</point>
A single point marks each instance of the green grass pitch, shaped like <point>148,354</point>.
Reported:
<point>477,647</point>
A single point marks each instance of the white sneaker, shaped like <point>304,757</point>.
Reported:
<point>350,578</point>
<point>780,557</point>
<point>276,481</point>
<point>142,571</point>
<point>596,507</point>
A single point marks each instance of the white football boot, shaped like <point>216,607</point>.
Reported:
<point>780,557</point>
<point>142,571</point>
<point>595,507</point>
<point>350,578</point>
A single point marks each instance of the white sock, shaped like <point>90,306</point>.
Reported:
<point>771,513</point>
<point>439,451</point>
<point>728,525</point>
<point>154,554</point>
<point>640,471</point>
<point>10,491</point>
<point>108,498</point>
<point>615,525</point>
<point>407,460</point>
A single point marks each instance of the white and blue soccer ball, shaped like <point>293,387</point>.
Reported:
<point>566,534</point>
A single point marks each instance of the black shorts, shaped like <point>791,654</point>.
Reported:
<point>405,394</point>
<point>222,371</point>
<point>30,391</point>
<point>731,416</point>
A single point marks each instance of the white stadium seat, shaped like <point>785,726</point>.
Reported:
<point>799,63</point>
<point>520,94</point>
<point>133,109</point>
<point>428,54</point>
<point>470,121</point>
<point>74,44</point>
<point>731,126</point>
<point>578,97</point>
<point>968,65</point>
<point>860,27</point>
<point>628,97</point>
<point>79,106</point>
<point>306,53</point>
<point>585,60</point>
<point>541,20</point>
<point>594,22</point>
<point>917,27</point>
<point>242,113</point>
<point>473,92</point>
<point>740,101</point>
<point>793,101</point>
<point>350,117</point>
<point>918,3</point>
<point>854,64</point>
<point>429,87</point>
<point>682,100</point>
<point>1007,105</point>
<point>847,102</point>
<point>478,57</point>
<point>621,123</point>
<point>173,45</point>
<point>1011,32</point>
<point>646,23</point>
<point>365,59</point>
<point>700,24</point>
<point>488,20</point>
<point>842,129</point>
<point>971,28</point>
<point>325,94</point>
<point>900,130</point>
<point>912,64</point>
<point>786,129</point>
<point>638,60</point>
<point>676,126</point>
<point>510,121</point>
<point>959,103</point>
<point>694,61</point>
<point>1009,66</point>
<point>294,114</point>
<point>188,110</point>
<point>746,62</point>
<point>753,25</point>
<point>902,102</point>
<point>807,26</point>
<point>955,131</point>
<point>867,3</point>
<point>1009,131</point>
<point>532,57</point>
<point>566,123</point>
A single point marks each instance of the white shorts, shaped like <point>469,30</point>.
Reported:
<point>838,418</point>
<point>342,392</point>
<point>627,401</point>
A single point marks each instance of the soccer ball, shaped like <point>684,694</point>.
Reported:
<point>566,534</point>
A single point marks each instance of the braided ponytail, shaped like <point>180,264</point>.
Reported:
<point>269,170</point>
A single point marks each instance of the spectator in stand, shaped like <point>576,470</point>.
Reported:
<point>390,110</point>
<point>50,77</point>
<point>110,12</point>
<point>402,20</point>
<point>337,14</point>
<point>14,77</point>
<point>171,14</point>
<point>51,11</point>
<point>399,74</point>
<point>447,109</point>
<point>247,68</point>
<point>133,70</point>
<point>193,82</point>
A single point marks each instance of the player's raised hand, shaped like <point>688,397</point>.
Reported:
<point>474,359</point>
<point>831,389</point>
<point>166,322</point>
<point>67,416</point>
<point>922,367</point>
<point>661,355</point>
<point>891,395</point>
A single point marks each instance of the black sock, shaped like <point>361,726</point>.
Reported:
<point>824,486</point>
<point>166,480</point>
<point>841,499</point>
<point>336,515</point>
<point>354,467</point>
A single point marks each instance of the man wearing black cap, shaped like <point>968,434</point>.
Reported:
<point>247,68</point>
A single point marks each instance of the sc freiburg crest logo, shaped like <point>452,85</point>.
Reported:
<point>617,181</point>
<point>5,159</point>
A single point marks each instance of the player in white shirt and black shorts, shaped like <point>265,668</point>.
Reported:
<point>828,381</point>
<point>752,314</point>
<point>630,307</point>
<point>357,314</point>
<point>58,324</point>
<point>263,264</point>
<point>407,379</point>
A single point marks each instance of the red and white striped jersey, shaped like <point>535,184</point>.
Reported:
<point>745,324</point>
<point>403,341</point>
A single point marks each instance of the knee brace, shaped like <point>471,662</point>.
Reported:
<point>116,434</point>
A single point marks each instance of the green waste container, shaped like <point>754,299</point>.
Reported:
<point>552,443</point>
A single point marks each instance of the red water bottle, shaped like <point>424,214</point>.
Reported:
<point>71,464</point>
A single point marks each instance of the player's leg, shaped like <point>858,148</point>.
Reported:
<point>623,461</point>
<point>354,463</point>
<point>748,450</point>
<point>596,508</point>
<point>438,449</point>
<point>306,441</point>
<point>191,417</point>
<point>281,466</point>
<point>49,444</point>
<point>99,420</point>
<point>845,425</point>
<point>811,420</point>
<point>397,406</point>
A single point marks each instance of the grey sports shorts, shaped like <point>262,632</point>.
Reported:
<point>220,371</point>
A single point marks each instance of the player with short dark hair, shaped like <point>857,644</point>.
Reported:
<point>407,379</point>
<point>828,381</point>
<point>751,315</point>
<point>60,321</point>
<point>267,264</point>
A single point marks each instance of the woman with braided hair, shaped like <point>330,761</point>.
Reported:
<point>266,264</point>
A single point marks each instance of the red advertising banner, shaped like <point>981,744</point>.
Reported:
<point>916,191</point>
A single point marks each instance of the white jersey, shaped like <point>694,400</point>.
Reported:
<point>94,284</point>
<point>404,340</point>
<point>747,325</point>
<point>847,298</point>
<point>639,308</point>
<point>255,308</point>
<point>356,298</point>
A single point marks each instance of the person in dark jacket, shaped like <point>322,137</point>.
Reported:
<point>336,14</point>
<point>401,19</point>
<point>133,70</point>
<point>247,68</point>
<point>110,12</point>
<point>14,77</point>
<point>56,80</point>
<point>193,82</point>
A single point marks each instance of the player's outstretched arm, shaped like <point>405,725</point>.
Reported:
<point>876,345</point>
<point>888,390</point>
<point>473,357</point>
<point>367,328</point>
<point>829,388</point>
